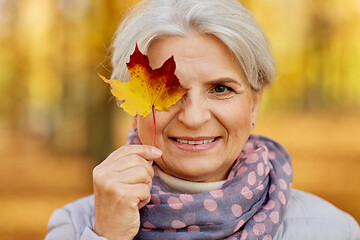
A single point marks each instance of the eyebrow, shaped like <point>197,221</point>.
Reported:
<point>225,80</point>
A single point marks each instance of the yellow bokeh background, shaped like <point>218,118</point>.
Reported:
<point>58,119</point>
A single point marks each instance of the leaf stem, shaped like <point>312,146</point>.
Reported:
<point>153,113</point>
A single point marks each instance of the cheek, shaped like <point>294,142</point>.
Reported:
<point>236,115</point>
<point>146,128</point>
<point>237,121</point>
<point>240,126</point>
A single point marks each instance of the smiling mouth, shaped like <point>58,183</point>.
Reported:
<point>191,142</point>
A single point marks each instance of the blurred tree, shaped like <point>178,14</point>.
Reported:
<point>320,33</point>
<point>316,46</point>
<point>51,50</point>
<point>86,126</point>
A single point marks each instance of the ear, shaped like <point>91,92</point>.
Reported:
<point>257,96</point>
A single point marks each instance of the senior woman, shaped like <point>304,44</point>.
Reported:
<point>206,177</point>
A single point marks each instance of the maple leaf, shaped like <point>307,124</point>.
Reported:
<point>148,89</point>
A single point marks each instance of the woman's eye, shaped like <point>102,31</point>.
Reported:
<point>221,88</point>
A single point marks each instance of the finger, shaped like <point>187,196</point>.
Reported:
<point>131,170</point>
<point>143,195</point>
<point>134,175</point>
<point>128,162</point>
<point>147,152</point>
<point>143,203</point>
<point>134,195</point>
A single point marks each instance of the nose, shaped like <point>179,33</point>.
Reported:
<point>194,110</point>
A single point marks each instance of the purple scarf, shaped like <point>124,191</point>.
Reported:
<point>249,205</point>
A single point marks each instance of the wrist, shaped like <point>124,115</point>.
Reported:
<point>115,236</point>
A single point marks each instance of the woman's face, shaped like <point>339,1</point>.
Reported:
<point>203,134</point>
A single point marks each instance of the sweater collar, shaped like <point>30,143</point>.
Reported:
<point>178,185</point>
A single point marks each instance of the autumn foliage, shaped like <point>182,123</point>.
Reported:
<point>148,88</point>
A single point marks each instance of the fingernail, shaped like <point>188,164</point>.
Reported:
<point>156,151</point>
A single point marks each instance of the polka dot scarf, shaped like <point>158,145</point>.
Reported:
<point>249,205</point>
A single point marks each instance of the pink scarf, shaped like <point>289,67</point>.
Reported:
<point>249,205</point>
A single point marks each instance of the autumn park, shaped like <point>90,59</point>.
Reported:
<point>58,119</point>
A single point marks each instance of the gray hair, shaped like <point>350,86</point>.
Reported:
<point>227,20</point>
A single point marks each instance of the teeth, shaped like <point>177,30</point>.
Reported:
<point>194,142</point>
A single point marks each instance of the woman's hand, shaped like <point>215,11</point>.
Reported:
<point>122,184</point>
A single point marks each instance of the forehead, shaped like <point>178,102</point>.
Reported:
<point>192,46</point>
<point>198,57</point>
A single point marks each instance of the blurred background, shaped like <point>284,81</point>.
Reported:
<point>58,120</point>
